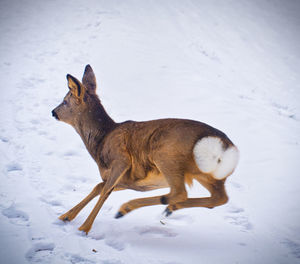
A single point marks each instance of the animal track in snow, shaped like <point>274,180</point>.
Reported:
<point>241,221</point>
<point>100,236</point>
<point>40,252</point>
<point>237,218</point>
<point>51,202</point>
<point>4,139</point>
<point>235,210</point>
<point>156,231</point>
<point>285,111</point>
<point>111,262</point>
<point>13,166</point>
<point>293,247</point>
<point>75,258</point>
<point>16,216</point>
<point>70,153</point>
<point>116,244</point>
<point>236,185</point>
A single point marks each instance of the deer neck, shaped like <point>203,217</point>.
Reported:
<point>92,126</point>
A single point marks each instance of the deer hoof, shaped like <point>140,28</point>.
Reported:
<point>85,228</point>
<point>168,212</point>
<point>119,215</point>
<point>64,218</point>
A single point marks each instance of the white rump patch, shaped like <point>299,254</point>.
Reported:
<point>212,158</point>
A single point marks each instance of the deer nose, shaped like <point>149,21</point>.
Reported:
<point>55,115</point>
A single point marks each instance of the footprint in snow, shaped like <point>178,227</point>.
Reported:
<point>16,216</point>
<point>156,231</point>
<point>4,139</point>
<point>237,217</point>
<point>13,166</point>
<point>99,236</point>
<point>70,153</point>
<point>40,252</point>
<point>51,202</point>
<point>293,247</point>
<point>236,185</point>
<point>115,244</point>
<point>235,210</point>
<point>111,262</point>
<point>75,258</point>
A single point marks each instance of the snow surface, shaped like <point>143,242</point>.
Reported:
<point>232,64</point>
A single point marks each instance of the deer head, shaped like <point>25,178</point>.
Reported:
<point>76,101</point>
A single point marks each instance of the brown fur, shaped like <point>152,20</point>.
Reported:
<point>137,155</point>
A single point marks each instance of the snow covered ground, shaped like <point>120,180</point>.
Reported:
<point>232,64</point>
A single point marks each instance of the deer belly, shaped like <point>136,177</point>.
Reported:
<point>152,181</point>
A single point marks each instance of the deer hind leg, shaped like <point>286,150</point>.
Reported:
<point>72,213</point>
<point>177,193</point>
<point>218,197</point>
<point>137,203</point>
<point>174,175</point>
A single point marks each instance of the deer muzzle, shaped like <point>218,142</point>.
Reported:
<point>55,115</point>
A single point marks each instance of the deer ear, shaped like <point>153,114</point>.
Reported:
<point>89,79</point>
<point>76,88</point>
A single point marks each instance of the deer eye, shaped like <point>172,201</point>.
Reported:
<point>65,102</point>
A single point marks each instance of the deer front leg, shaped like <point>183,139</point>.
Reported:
<point>117,172</point>
<point>72,213</point>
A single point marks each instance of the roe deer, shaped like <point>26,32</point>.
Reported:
<point>146,155</point>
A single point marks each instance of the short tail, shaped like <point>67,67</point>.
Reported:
<point>213,157</point>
